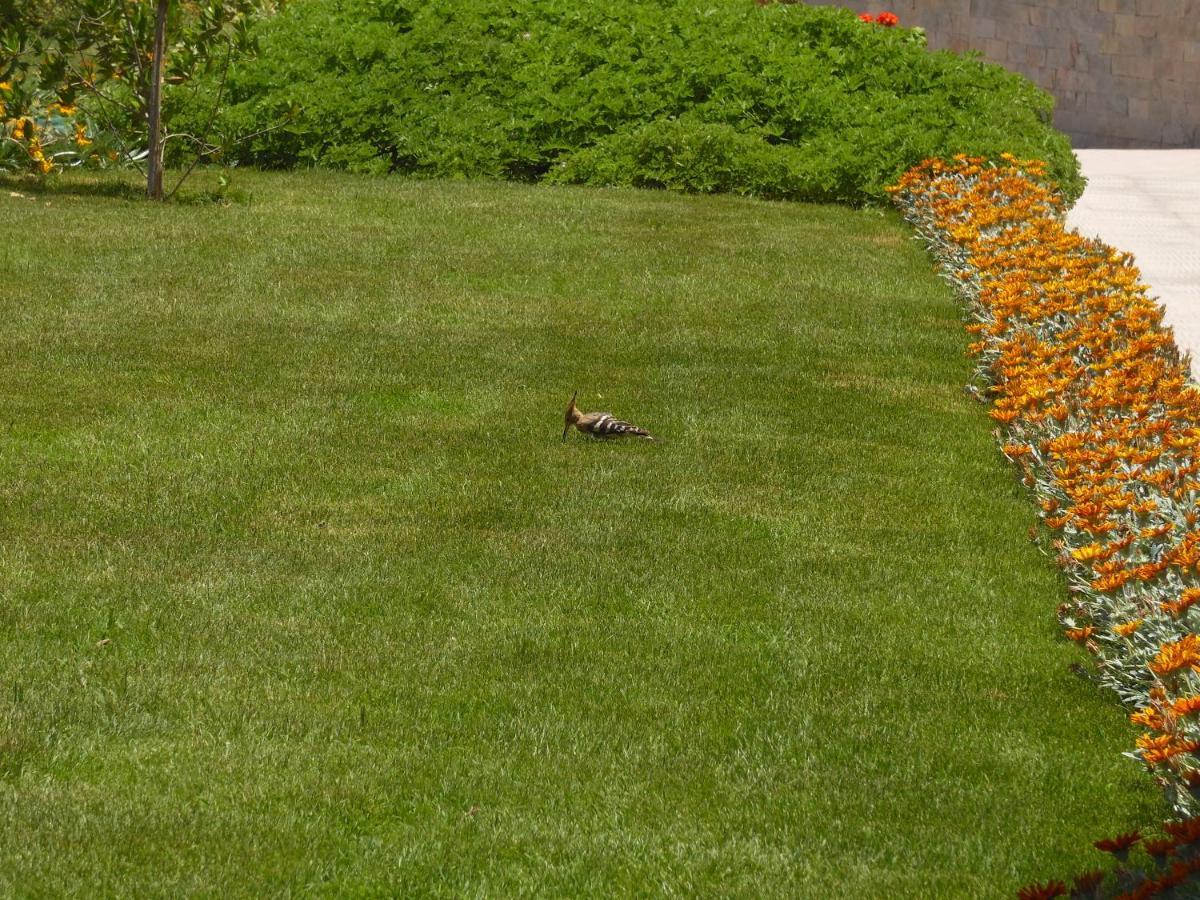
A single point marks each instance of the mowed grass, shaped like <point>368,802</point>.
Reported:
<point>301,592</point>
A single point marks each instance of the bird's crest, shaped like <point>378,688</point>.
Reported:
<point>570,415</point>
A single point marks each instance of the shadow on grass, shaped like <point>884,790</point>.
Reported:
<point>99,186</point>
<point>116,186</point>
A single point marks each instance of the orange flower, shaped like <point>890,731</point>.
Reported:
<point>1185,602</point>
<point>1181,654</point>
<point>1004,415</point>
<point>1156,750</point>
<point>1186,706</point>
<point>1125,629</point>
<point>1149,570</point>
<point>1111,582</point>
<point>1079,365</point>
<point>1149,717</point>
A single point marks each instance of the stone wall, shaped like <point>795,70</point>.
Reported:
<point>1125,73</point>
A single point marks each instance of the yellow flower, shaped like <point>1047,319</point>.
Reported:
<point>1088,553</point>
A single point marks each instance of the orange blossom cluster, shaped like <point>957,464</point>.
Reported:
<point>1095,404</point>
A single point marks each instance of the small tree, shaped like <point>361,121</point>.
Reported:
<point>123,57</point>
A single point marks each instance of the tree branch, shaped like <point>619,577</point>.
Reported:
<point>133,42</point>
<point>212,117</point>
<point>116,132</point>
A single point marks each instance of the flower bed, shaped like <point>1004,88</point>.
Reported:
<point>1095,404</point>
<point>40,133</point>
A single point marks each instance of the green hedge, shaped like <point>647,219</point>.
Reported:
<point>782,101</point>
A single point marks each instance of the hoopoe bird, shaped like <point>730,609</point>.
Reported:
<point>600,424</point>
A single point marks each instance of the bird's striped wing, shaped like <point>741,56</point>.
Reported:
<point>605,425</point>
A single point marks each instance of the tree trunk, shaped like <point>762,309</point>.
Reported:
<point>154,179</point>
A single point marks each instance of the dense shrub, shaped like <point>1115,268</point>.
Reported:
<point>721,95</point>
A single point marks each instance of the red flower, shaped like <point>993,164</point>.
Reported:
<point>1047,891</point>
<point>887,19</point>
<point>1120,844</point>
<point>866,17</point>
<point>1185,832</point>
<point>1160,850</point>
<point>1088,881</point>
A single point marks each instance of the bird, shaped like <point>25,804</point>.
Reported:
<point>599,424</point>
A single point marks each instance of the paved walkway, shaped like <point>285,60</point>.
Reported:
<point>1148,202</point>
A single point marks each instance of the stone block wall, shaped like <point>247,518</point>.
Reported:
<point>1125,73</point>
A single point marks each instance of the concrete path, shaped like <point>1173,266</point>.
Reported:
<point>1148,202</point>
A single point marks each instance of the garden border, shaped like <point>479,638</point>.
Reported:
<point>1096,406</point>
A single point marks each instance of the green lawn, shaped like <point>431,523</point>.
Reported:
<point>300,591</point>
